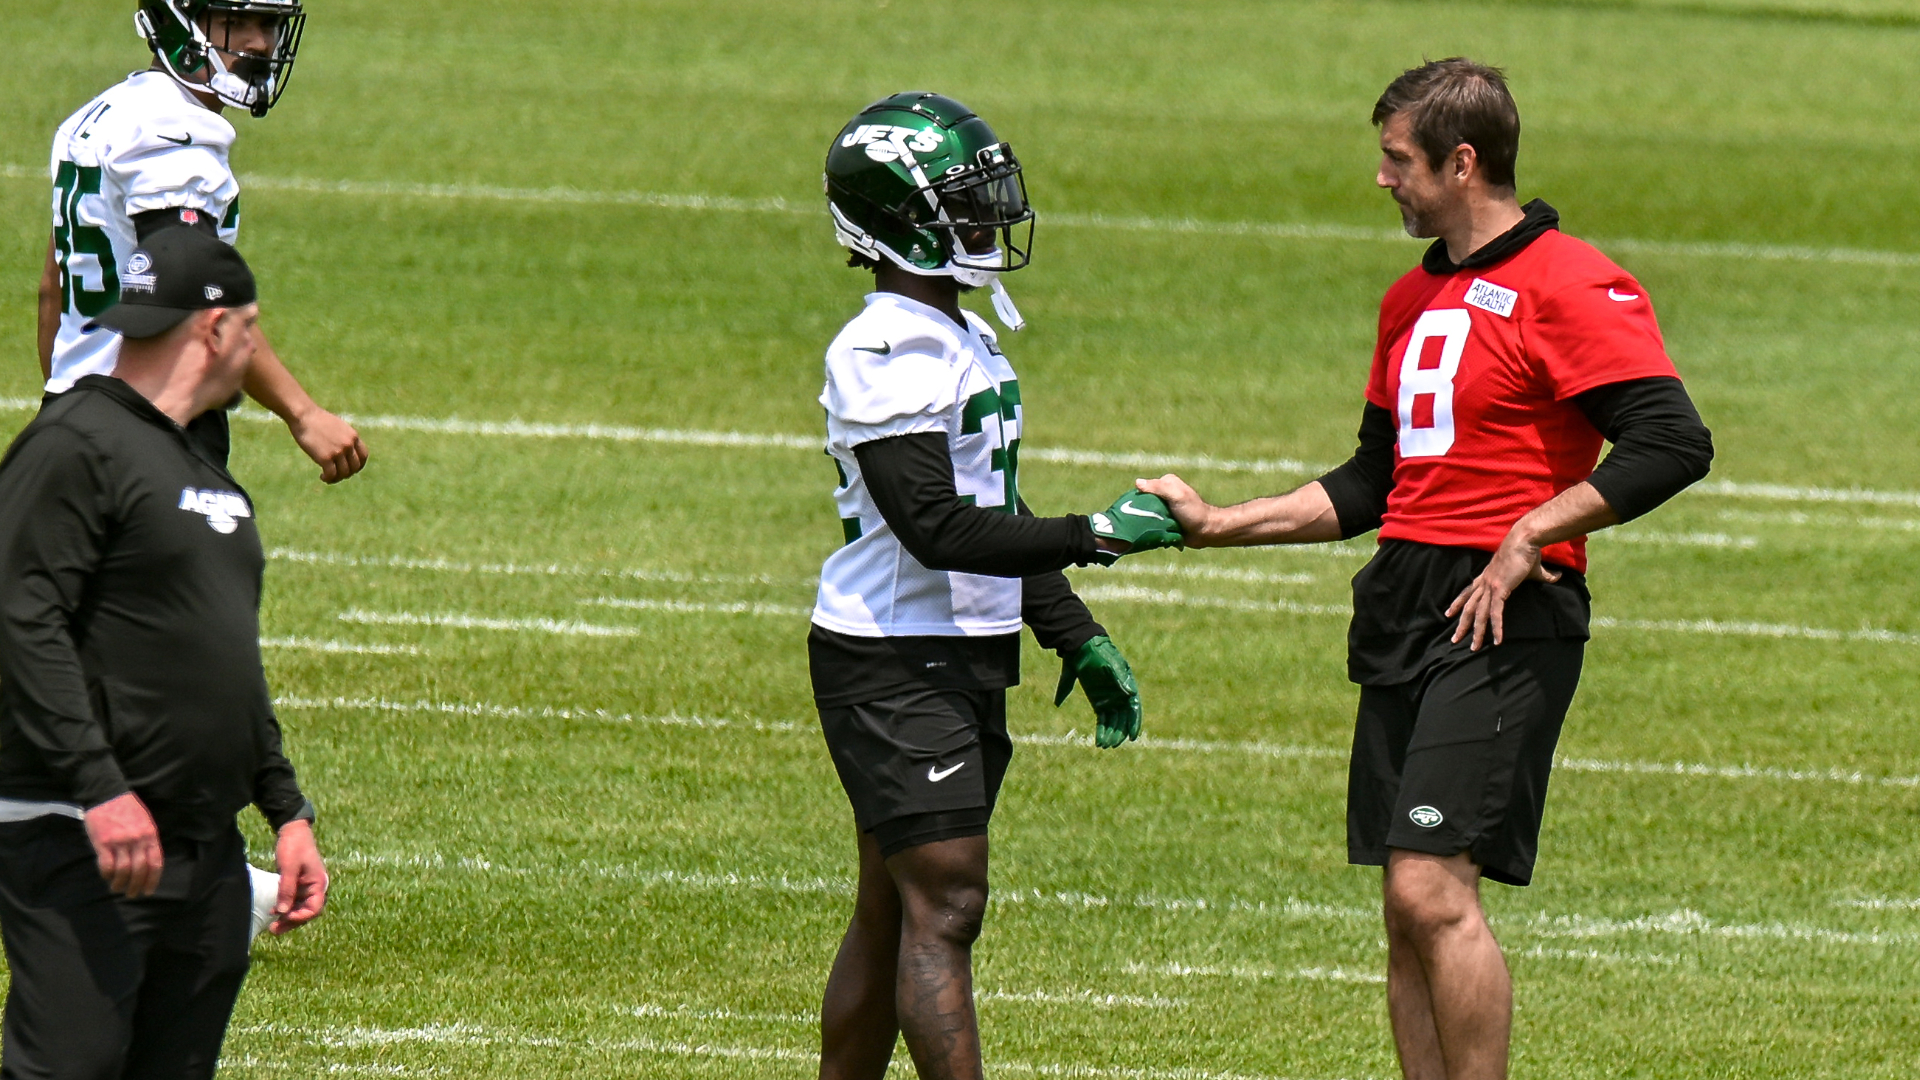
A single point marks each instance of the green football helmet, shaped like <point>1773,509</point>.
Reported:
<point>186,51</point>
<point>919,181</point>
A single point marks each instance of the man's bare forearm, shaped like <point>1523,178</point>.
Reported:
<point>1304,516</point>
<point>51,304</point>
<point>1576,511</point>
<point>272,385</point>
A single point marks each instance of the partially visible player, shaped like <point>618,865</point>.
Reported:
<point>916,632</point>
<point>151,152</point>
<point>1504,361</point>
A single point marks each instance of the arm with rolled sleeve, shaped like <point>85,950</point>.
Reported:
<point>54,527</point>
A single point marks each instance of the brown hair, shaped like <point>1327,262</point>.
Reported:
<point>1456,101</point>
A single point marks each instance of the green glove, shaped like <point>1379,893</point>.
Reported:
<point>1100,669</point>
<point>1141,521</point>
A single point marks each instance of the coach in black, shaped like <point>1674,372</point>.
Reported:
<point>134,715</point>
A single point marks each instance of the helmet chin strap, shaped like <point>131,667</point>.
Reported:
<point>965,275</point>
<point>1003,307</point>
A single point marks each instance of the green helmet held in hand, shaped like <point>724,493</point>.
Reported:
<point>1111,689</point>
<point>919,181</point>
<point>1141,521</point>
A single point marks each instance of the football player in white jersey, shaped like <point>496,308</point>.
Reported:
<point>916,631</point>
<point>152,152</point>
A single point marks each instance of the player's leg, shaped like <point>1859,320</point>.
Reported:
<point>1455,1003</point>
<point>1472,792</point>
<point>857,1025</point>
<point>943,897</point>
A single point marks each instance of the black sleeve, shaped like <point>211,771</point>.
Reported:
<point>275,790</point>
<point>911,480</point>
<point>54,522</point>
<point>1359,488</point>
<point>1057,616</point>
<point>1660,446</point>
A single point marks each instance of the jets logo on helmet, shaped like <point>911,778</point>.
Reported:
<point>188,37</point>
<point>919,181</point>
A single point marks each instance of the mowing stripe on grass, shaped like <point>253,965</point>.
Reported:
<point>1146,462</point>
<point>1684,922</point>
<point>1073,739</point>
<point>1273,230</point>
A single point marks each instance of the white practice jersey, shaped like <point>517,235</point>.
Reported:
<point>144,145</point>
<point>903,368</point>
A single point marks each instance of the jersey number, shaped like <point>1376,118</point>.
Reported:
<point>1426,392</point>
<point>75,244</point>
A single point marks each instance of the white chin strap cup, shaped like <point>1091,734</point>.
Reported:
<point>1003,307</point>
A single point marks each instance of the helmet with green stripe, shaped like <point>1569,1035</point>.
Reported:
<point>194,41</point>
<point>919,181</point>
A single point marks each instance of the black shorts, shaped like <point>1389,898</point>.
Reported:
<point>1457,760</point>
<point>922,765</point>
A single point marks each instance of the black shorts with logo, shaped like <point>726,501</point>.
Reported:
<point>921,765</point>
<point>1452,748</point>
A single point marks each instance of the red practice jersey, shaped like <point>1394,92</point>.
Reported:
<point>1480,368</point>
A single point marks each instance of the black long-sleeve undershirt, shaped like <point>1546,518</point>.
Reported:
<point>910,478</point>
<point>1660,447</point>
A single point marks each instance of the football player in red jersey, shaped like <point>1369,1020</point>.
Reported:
<point>1504,361</point>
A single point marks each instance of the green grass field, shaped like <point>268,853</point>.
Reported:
<point>548,685</point>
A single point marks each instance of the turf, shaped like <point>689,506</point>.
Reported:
<point>561,854</point>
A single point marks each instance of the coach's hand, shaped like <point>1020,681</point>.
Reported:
<point>303,878</point>
<point>1136,522</point>
<point>1103,673</point>
<point>127,845</point>
<point>331,442</point>
<point>1482,606</point>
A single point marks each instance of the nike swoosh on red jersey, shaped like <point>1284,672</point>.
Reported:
<point>1620,297</point>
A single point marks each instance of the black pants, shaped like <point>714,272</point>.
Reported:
<point>106,988</point>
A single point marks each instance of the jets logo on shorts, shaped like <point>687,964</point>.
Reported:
<point>1426,816</point>
<point>222,509</point>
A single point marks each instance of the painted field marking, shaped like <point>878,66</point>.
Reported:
<point>688,607</point>
<point>1882,903</point>
<point>1144,462</point>
<point>1315,974</point>
<point>301,644</point>
<point>1541,952</point>
<point>1652,538</point>
<point>1689,923</point>
<point>1274,230</point>
<point>1828,521</point>
<point>453,566</point>
<point>467,1034</point>
<point>1096,999</point>
<point>1249,748</point>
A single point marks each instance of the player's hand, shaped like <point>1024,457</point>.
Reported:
<point>1103,673</point>
<point>303,878</point>
<point>1135,522</point>
<point>127,845</point>
<point>1189,510</point>
<point>1482,606</point>
<point>332,444</point>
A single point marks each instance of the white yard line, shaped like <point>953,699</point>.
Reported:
<point>1142,461</point>
<point>1689,923</point>
<point>467,1034</point>
<point>1072,739</point>
<point>300,644</point>
<point>454,566</point>
<point>688,607</point>
<point>1315,974</point>
<point>1652,538</point>
<point>1882,903</point>
<point>1274,230</point>
<point>1822,521</point>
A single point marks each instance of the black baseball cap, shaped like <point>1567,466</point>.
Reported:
<point>172,274</point>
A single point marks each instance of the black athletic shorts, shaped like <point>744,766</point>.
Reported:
<point>921,765</point>
<point>1457,760</point>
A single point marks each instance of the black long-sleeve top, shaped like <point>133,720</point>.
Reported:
<point>910,478</point>
<point>130,574</point>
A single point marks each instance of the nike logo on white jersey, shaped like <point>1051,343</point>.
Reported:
<point>1137,512</point>
<point>188,141</point>
<point>937,775</point>
<point>1621,297</point>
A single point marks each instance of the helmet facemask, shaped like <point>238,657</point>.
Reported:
<point>252,81</point>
